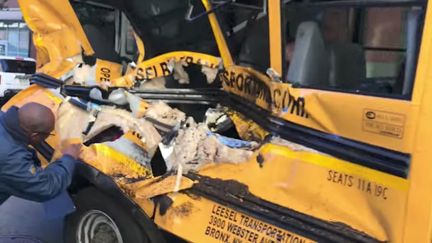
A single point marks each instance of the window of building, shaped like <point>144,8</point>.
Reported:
<point>14,39</point>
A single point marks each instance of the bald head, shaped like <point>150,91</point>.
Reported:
<point>35,117</point>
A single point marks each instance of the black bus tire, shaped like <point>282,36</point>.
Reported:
<point>99,215</point>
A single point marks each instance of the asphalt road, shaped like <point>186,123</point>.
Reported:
<point>26,218</point>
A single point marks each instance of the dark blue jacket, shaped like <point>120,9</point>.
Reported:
<point>20,174</point>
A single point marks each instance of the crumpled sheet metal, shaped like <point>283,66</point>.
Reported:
<point>146,189</point>
<point>57,34</point>
<point>246,128</point>
<point>168,64</point>
<point>60,40</point>
<point>109,117</point>
<point>113,163</point>
<point>120,157</point>
<point>129,155</point>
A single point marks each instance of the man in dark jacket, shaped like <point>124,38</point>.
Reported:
<point>20,173</point>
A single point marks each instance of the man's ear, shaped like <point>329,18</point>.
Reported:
<point>34,136</point>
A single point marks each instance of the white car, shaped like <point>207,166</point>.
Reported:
<point>15,73</point>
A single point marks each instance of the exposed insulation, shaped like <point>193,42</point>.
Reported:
<point>67,126</point>
<point>84,74</point>
<point>179,73</point>
<point>194,147</point>
<point>163,113</point>
<point>109,116</point>
<point>210,73</point>
<point>129,155</point>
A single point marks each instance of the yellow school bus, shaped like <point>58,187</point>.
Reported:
<point>334,92</point>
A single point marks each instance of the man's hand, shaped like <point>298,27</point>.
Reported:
<point>72,150</point>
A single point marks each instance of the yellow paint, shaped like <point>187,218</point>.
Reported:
<point>112,162</point>
<point>127,80</point>
<point>217,223</point>
<point>305,182</point>
<point>141,48</point>
<point>157,186</point>
<point>418,224</point>
<point>107,71</point>
<point>34,93</point>
<point>247,129</point>
<point>160,66</point>
<point>57,34</point>
<point>146,205</point>
<point>219,36</point>
<point>275,37</point>
<point>394,209</point>
<point>326,161</point>
<point>326,111</point>
<point>231,80</point>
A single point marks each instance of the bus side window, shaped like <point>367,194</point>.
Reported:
<point>369,49</point>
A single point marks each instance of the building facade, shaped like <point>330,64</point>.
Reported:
<point>15,37</point>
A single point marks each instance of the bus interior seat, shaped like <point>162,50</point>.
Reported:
<point>309,65</point>
<point>347,65</point>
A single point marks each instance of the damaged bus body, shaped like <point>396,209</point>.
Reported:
<point>239,121</point>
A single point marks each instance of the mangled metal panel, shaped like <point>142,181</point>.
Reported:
<point>57,35</point>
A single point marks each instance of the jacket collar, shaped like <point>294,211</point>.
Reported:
<point>11,123</point>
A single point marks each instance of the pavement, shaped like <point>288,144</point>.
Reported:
<point>26,218</point>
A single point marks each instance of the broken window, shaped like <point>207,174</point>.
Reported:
<point>99,25</point>
<point>246,29</point>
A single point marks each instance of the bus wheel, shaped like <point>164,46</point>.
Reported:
<point>100,219</point>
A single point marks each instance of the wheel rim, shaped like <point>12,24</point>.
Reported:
<point>96,227</point>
